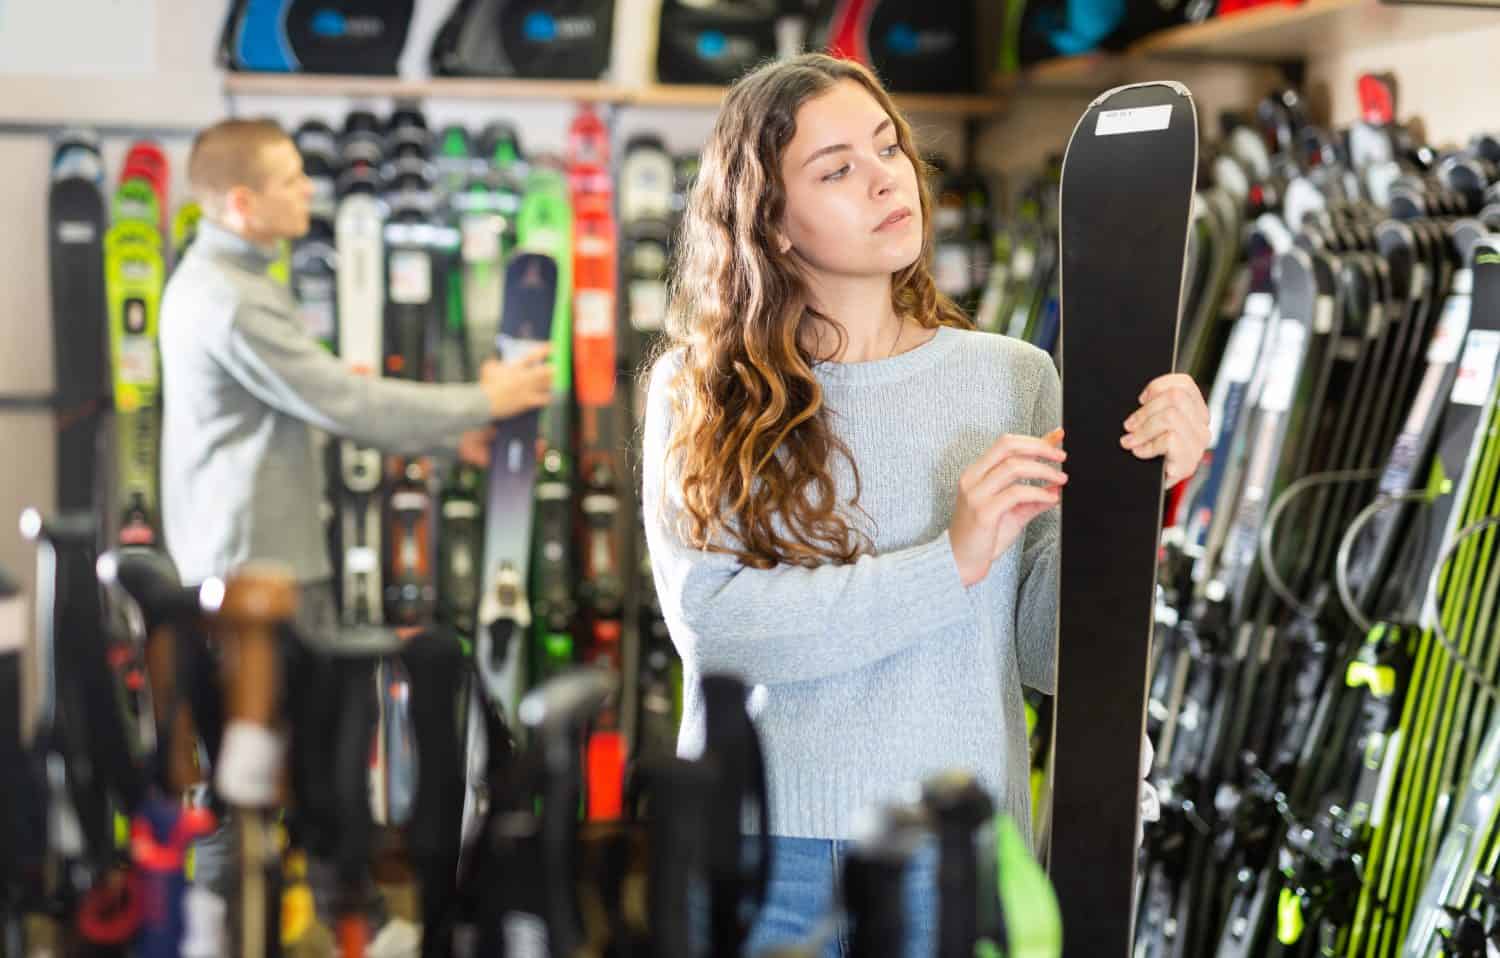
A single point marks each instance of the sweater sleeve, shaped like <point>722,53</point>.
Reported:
<point>788,623</point>
<point>1036,606</point>
<point>291,373</point>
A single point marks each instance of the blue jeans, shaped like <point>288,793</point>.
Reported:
<point>807,885</point>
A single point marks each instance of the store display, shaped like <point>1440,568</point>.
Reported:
<point>915,47</point>
<point>326,36</point>
<point>538,39</point>
<point>492,729</point>
<point>714,42</point>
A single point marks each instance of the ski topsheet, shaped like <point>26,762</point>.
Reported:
<point>595,349</point>
<point>1127,186</point>
<point>75,237</point>
<point>134,274</point>
<point>545,225</point>
<point>504,604</point>
<point>361,298</point>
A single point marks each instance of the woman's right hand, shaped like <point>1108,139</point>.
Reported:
<point>995,500</point>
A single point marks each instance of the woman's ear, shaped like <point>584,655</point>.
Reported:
<point>783,245</point>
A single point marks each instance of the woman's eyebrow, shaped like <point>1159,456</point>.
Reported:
<point>838,147</point>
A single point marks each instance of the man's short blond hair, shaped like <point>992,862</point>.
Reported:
<point>228,154</point>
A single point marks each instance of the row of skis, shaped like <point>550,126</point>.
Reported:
<point>1326,647</point>
<point>428,251</point>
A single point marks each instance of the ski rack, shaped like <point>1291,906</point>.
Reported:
<point>1273,516</point>
<point>1434,593</point>
<point>1346,547</point>
<point>44,402</point>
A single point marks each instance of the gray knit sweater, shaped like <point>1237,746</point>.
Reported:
<point>873,676</point>
<point>244,386</point>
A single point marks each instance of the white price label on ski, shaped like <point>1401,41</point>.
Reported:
<point>75,231</point>
<point>1022,262</point>
<point>1476,372</point>
<point>136,361</point>
<point>134,210</point>
<point>593,312</point>
<point>1403,455</point>
<point>411,277</point>
<point>1244,347</point>
<point>481,238</point>
<point>408,502</point>
<point>648,304</point>
<point>361,559</point>
<point>1259,304</point>
<point>1323,315</point>
<point>1141,119</point>
<point>1448,338</point>
<point>1286,364</point>
<point>950,269</point>
<point>592,246</point>
<point>14,627</point>
<point>460,509</point>
<point>1418,281</point>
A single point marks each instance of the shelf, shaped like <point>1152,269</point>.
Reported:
<point>1276,31</point>
<point>308,84</point>
<point>669,95</point>
<point>1089,73</point>
<point>1271,34</point>
<point>672,95</point>
<point>656,95</point>
<point>1315,27</point>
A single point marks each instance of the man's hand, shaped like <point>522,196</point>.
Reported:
<point>474,447</point>
<point>1172,422</point>
<point>519,385</point>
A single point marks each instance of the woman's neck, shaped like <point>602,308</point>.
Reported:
<point>866,314</point>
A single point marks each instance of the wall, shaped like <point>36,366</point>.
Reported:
<point>1447,81</point>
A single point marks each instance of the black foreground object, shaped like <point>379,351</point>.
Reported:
<point>959,807</point>
<point>874,877</point>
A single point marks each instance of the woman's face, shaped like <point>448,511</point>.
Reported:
<point>852,207</point>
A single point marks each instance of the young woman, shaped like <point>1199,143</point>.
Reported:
<point>850,494</point>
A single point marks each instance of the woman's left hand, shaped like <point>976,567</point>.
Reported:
<point>1172,422</point>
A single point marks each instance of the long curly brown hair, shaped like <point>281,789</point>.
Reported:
<point>750,440</point>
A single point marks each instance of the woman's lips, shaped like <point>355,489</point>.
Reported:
<point>897,218</point>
